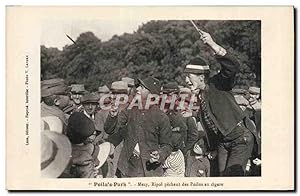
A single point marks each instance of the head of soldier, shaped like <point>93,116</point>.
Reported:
<point>103,90</point>
<point>148,86</point>
<point>54,92</point>
<point>119,94</point>
<point>169,96</point>
<point>90,102</point>
<point>59,100</point>
<point>254,93</point>
<point>197,74</point>
<point>77,92</point>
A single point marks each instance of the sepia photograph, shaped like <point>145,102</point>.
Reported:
<point>144,98</point>
<point>153,98</point>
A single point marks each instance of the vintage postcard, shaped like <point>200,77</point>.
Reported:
<point>150,98</point>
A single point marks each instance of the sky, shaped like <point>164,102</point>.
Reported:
<point>54,32</point>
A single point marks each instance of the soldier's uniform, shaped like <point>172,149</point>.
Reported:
<point>143,131</point>
<point>52,114</point>
<point>177,121</point>
<point>150,129</point>
<point>117,88</point>
<point>77,91</point>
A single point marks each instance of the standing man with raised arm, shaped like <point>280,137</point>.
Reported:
<point>219,113</point>
<point>145,130</point>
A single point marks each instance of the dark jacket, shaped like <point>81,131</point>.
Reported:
<point>178,121</point>
<point>193,134</point>
<point>221,105</point>
<point>100,118</point>
<point>150,128</point>
<point>83,162</point>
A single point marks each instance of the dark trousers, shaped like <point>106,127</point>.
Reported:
<point>233,154</point>
<point>113,161</point>
<point>135,168</point>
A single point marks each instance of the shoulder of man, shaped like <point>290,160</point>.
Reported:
<point>157,112</point>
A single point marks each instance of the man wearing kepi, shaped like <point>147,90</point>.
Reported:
<point>146,132</point>
<point>54,97</point>
<point>219,113</point>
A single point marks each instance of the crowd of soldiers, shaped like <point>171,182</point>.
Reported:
<point>140,128</point>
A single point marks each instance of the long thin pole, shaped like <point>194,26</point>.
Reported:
<point>71,39</point>
<point>199,31</point>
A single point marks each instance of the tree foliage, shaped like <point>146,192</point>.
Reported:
<point>158,48</point>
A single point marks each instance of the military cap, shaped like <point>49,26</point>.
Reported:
<point>129,81</point>
<point>55,86</point>
<point>103,89</point>
<point>238,91</point>
<point>170,87</point>
<point>254,90</point>
<point>78,88</point>
<point>152,84</point>
<point>89,98</point>
<point>119,87</point>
